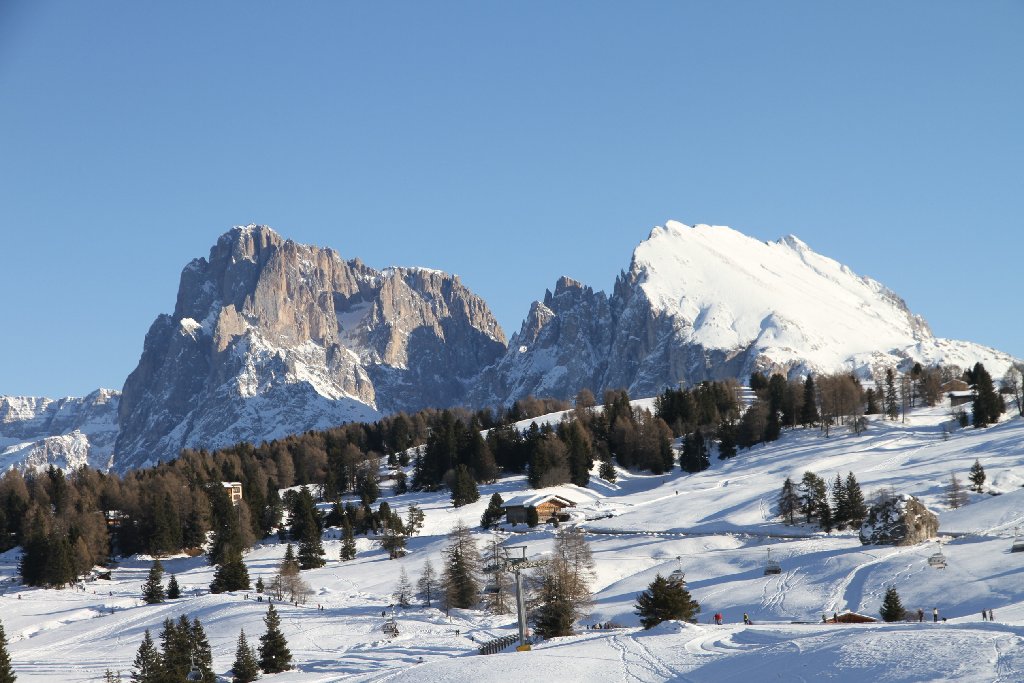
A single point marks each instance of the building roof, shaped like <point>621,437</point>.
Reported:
<point>533,500</point>
<point>231,484</point>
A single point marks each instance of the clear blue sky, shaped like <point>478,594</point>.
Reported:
<point>510,143</point>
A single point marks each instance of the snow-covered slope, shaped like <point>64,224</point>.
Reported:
<point>67,433</point>
<point>707,302</point>
<point>716,526</point>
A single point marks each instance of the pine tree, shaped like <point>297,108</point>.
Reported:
<point>694,456</point>
<point>789,501</point>
<point>275,656</point>
<point>259,585</point>
<point>461,587</point>
<point>809,411</point>
<point>348,542</point>
<point>840,504</point>
<point>977,476</point>
<point>554,615</point>
<point>871,399</point>
<point>956,497</point>
<point>464,489</point>
<point>200,651</point>
<point>427,584</point>
<point>892,607</point>
<point>232,575</point>
<point>493,514</point>
<point>892,405</point>
<point>856,509</point>
<point>403,592</point>
<point>147,667</point>
<point>153,589</point>
<point>173,589</point>
<point>245,668</point>
<point>413,520</point>
<point>311,548</point>
<point>988,405</point>
<point>814,497</point>
<point>664,600</point>
<point>7,674</point>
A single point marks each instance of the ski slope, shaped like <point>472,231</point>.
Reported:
<point>715,525</point>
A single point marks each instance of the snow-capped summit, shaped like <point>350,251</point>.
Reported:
<point>707,302</point>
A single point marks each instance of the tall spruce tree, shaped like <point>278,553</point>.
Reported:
<point>494,512</point>
<point>840,503</point>
<point>202,653</point>
<point>461,586</point>
<point>173,589</point>
<point>427,584</point>
<point>664,600</point>
<point>245,668</point>
<point>464,489</point>
<point>809,410</point>
<point>275,656</point>
<point>892,606</point>
<point>856,510</point>
<point>892,404</point>
<point>789,501</point>
<point>7,674</point>
<point>977,476</point>
<point>348,542</point>
<point>988,405</point>
<point>231,574</point>
<point>153,589</point>
<point>147,667</point>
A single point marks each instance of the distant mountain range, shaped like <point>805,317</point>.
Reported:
<point>270,337</point>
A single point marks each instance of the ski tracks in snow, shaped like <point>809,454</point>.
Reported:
<point>639,663</point>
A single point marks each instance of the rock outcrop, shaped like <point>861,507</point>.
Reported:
<point>270,337</point>
<point>902,520</point>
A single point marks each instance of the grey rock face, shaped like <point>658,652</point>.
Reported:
<point>899,521</point>
<point>269,337</point>
<point>66,432</point>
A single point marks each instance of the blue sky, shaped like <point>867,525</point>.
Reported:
<point>510,143</point>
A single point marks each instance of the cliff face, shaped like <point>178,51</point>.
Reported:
<point>269,337</point>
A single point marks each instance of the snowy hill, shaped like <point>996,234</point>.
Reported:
<point>716,525</point>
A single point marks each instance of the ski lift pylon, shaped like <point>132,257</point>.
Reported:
<point>771,566</point>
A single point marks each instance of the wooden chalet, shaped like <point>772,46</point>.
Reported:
<point>550,508</point>
<point>959,398</point>
<point>852,618</point>
<point>234,490</point>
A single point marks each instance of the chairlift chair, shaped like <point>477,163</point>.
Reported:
<point>937,559</point>
<point>678,575</point>
<point>772,566</point>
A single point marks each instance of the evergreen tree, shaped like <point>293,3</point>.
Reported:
<point>813,496</point>
<point>493,514</point>
<point>789,501</point>
<point>173,589</point>
<point>464,489</point>
<point>259,585</point>
<point>694,456</point>
<point>153,589</point>
<point>840,503</point>
<point>809,411</point>
<point>232,575</point>
<point>988,405</point>
<point>7,674</point>
<point>403,592</point>
<point>427,584</point>
<point>245,668</point>
<point>461,587</point>
<point>413,520</point>
<point>956,497</point>
<point>554,615</point>
<point>856,510</point>
<point>892,607</point>
<point>348,542</point>
<point>977,476</point>
<point>147,667</point>
<point>664,600</point>
<point>200,651</point>
<point>275,656</point>
<point>892,405</point>
<point>726,434</point>
<point>871,399</point>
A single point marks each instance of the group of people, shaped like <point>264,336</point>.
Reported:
<point>719,620</point>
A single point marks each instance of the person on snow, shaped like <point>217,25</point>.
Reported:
<point>746,619</point>
<point>920,615</point>
<point>935,614</point>
<point>718,618</point>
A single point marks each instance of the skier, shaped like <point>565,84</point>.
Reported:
<point>746,619</point>
<point>984,615</point>
<point>991,617</point>
<point>935,614</point>
<point>718,618</point>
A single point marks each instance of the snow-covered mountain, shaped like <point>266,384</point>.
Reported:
<point>707,302</point>
<point>270,338</point>
<point>66,432</point>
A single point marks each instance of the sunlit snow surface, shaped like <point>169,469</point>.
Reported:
<point>718,523</point>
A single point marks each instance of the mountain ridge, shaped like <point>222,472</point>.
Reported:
<point>270,337</point>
